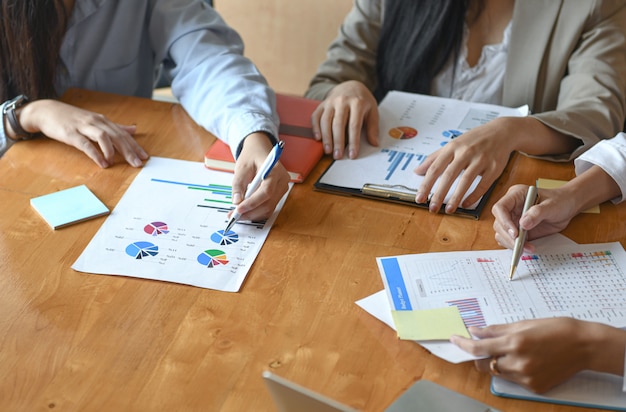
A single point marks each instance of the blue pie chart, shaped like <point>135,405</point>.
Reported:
<point>141,250</point>
<point>224,239</point>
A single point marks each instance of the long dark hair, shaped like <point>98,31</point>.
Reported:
<point>417,38</point>
<point>31,32</point>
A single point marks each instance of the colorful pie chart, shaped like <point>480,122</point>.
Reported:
<point>156,228</point>
<point>212,257</point>
<point>224,239</point>
<point>141,250</point>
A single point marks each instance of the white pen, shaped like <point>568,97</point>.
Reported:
<point>531,198</point>
<point>263,172</point>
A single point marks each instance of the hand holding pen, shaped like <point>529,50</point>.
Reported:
<point>550,215</point>
<point>261,175</point>
<point>531,198</point>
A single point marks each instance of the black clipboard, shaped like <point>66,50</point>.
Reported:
<point>404,116</point>
<point>397,194</point>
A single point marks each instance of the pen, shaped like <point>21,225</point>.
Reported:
<point>518,248</point>
<point>265,170</point>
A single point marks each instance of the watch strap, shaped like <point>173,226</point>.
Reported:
<point>11,115</point>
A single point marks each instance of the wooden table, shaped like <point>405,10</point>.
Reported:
<point>77,342</point>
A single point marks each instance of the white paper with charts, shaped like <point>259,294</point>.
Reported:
<point>412,126</point>
<point>586,282</point>
<point>169,226</point>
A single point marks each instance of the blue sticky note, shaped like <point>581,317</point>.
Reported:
<point>68,206</point>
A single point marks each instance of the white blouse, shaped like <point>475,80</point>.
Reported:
<point>482,83</point>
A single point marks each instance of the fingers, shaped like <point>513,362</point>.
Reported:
<point>86,146</point>
<point>261,204</point>
<point>492,365</point>
<point>423,192</point>
<point>550,215</point>
<point>466,180</point>
<point>486,180</point>
<point>329,125</point>
<point>92,133</point>
<point>132,152</point>
<point>508,209</point>
<point>334,121</point>
<point>490,345</point>
<point>254,151</point>
<point>362,115</point>
<point>472,161</point>
<point>371,127</point>
<point>111,138</point>
<point>321,127</point>
<point>487,342</point>
<point>339,120</point>
<point>477,348</point>
<point>438,169</point>
<point>243,175</point>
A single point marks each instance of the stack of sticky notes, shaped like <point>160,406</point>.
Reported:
<point>68,206</point>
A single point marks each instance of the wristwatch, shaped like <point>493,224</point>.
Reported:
<point>9,113</point>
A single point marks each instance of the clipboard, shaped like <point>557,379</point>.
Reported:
<point>411,127</point>
<point>586,389</point>
<point>401,194</point>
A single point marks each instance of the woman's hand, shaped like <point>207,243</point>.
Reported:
<point>551,215</point>
<point>348,108</point>
<point>541,353</point>
<point>483,151</point>
<point>261,204</point>
<point>92,133</point>
<point>555,209</point>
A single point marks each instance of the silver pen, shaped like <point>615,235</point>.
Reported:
<point>518,248</point>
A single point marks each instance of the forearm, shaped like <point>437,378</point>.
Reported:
<point>609,346</point>
<point>530,136</point>
<point>589,189</point>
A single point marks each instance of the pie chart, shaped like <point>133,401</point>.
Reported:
<point>156,228</point>
<point>212,257</point>
<point>402,132</point>
<point>141,250</point>
<point>224,239</point>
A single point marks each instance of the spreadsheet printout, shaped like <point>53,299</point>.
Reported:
<point>585,282</point>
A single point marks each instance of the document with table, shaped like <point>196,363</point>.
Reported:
<point>169,226</point>
<point>412,126</point>
<point>581,281</point>
<point>584,282</point>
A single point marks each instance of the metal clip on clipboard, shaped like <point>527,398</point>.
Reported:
<point>403,194</point>
<point>391,192</point>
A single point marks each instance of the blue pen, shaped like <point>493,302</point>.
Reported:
<point>263,172</point>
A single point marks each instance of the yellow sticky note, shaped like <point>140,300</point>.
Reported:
<point>553,184</point>
<point>429,324</point>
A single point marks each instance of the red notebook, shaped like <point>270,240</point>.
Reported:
<point>301,152</point>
